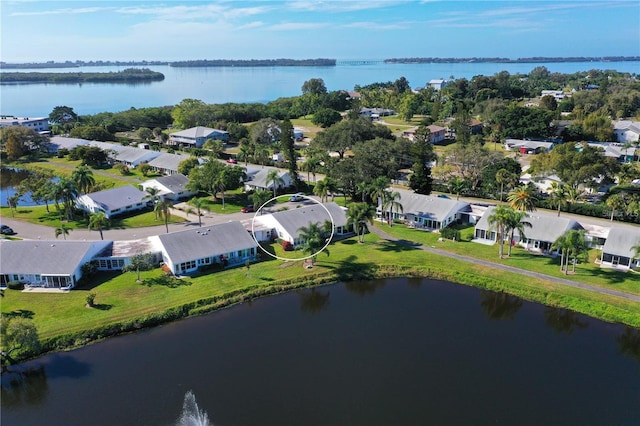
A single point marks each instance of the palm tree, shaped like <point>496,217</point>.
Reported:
<point>523,198</point>
<point>63,230</point>
<point>163,210</point>
<point>378,188</point>
<point>390,201</point>
<point>310,166</point>
<point>364,188</point>
<point>615,202</point>
<point>562,244</point>
<point>13,201</point>
<point>516,222</point>
<point>67,191</point>
<point>243,153</point>
<point>321,190</point>
<point>199,204</point>
<point>503,176</point>
<point>558,196</point>
<point>358,215</point>
<point>83,178</point>
<point>314,240</point>
<point>274,178</point>
<point>98,221</point>
<point>457,185</point>
<point>499,220</point>
<point>153,195</point>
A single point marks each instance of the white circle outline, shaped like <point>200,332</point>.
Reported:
<point>295,259</point>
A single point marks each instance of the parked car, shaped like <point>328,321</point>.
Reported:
<point>232,161</point>
<point>248,209</point>
<point>297,197</point>
<point>6,230</point>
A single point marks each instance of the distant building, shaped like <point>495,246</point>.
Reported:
<point>627,130</point>
<point>436,133</point>
<point>437,84</point>
<point>39,124</point>
<point>197,136</point>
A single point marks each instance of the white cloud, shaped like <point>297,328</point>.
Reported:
<point>294,26</point>
<point>376,26</point>
<point>65,11</point>
<point>342,5</point>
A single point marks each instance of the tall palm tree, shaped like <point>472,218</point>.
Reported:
<point>578,245</point>
<point>67,191</point>
<point>562,244</point>
<point>321,189</point>
<point>558,195</point>
<point>358,214</point>
<point>83,178</point>
<point>98,221</point>
<point>390,201</point>
<point>523,198</point>
<point>274,178</point>
<point>163,209</point>
<point>514,223</point>
<point>314,240</point>
<point>499,220</point>
<point>63,229</point>
<point>199,204</point>
<point>616,202</point>
<point>152,195</point>
<point>311,166</point>
<point>504,176</point>
<point>378,188</point>
<point>457,185</point>
<point>364,188</point>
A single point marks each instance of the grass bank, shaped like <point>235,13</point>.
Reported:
<point>123,305</point>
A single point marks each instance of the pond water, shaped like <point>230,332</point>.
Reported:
<point>387,352</point>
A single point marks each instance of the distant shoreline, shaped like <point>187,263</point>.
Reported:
<point>311,62</point>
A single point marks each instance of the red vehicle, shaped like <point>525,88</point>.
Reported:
<point>248,209</point>
<point>232,161</point>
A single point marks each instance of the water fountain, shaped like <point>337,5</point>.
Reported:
<point>191,414</point>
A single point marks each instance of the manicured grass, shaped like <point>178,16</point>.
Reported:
<point>39,215</point>
<point>589,273</point>
<point>121,300</point>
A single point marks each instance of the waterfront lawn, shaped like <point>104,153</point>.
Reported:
<point>39,216</point>
<point>589,272</point>
<point>121,300</point>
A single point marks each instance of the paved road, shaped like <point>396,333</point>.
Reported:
<point>627,296</point>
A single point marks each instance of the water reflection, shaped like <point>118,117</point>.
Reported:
<point>629,343</point>
<point>24,388</point>
<point>499,306</point>
<point>563,320</point>
<point>313,301</point>
<point>364,288</point>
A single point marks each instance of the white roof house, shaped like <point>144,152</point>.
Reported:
<point>113,201</point>
<point>167,163</point>
<point>39,124</point>
<point>52,264</point>
<point>133,157</point>
<point>197,136</point>
<point>259,179</point>
<point>172,187</point>
<point>627,130</point>
<point>57,143</point>
<point>528,147</point>
<point>186,252</point>
<point>437,84</point>
<point>427,211</point>
<point>286,224</point>
<point>618,248</point>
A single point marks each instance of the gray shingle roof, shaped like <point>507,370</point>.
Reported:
<point>136,155</point>
<point>427,206</point>
<point>197,132</point>
<point>620,240</point>
<point>168,161</point>
<point>206,241</point>
<point>44,257</point>
<point>259,180</point>
<point>176,182</point>
<point>294,219</point>
<point>115,198</point>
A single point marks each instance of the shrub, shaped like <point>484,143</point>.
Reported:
<point>287,246</point>
<point>15,285</point>
<point>91,297</point>
<point>450,234</point>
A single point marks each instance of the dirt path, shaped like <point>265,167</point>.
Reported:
<point>562,281</point>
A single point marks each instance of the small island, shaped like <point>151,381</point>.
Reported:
<point>129,75</point>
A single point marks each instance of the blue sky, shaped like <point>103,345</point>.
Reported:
<point>342,29</point>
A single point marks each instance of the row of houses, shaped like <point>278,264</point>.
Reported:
<point>434,213</point>
<point>60,263</point>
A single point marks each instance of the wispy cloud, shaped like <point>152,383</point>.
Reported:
<point>295,26</point>
<point>375,26</point>
<point>65,11</point>
<point>342,5</point>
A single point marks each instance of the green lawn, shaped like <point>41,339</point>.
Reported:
<point>121,299</point>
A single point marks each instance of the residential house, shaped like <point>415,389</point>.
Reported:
<point>427,211</point>
<point>225,244</point>
<point>39,124</point>
<point>617,151</point>
<point>168,164</point>
<point>114,257</point>
<point>51,264</point>
<point>286,224</point>
<point>258,180</point>
<point>113,202</point>
<point>558,95</point>
<point>627,130</point>
<point>197,136</point>
<point>436,133</point>
<point>539,237</point>
<point>172,187</point>
<point>527,146</point>
<point>437,84</point>
<point>133,157</point>
<point>57,143</point>
<point>618,251</point>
